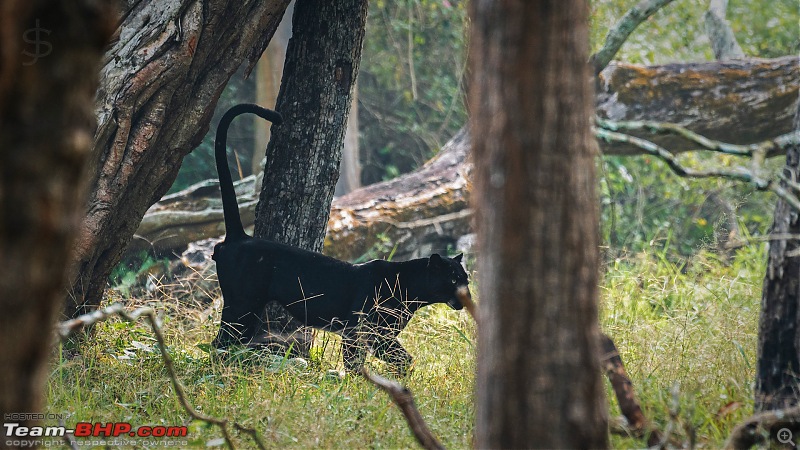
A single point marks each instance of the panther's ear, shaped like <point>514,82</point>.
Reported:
<point>458,257</point>
<point>435,260</point>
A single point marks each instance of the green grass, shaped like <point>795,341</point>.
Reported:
<point>693,326</point>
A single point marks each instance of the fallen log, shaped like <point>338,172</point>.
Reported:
<point>425,211</point>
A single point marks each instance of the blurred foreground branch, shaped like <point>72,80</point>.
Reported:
<point>404,400</point>
<point>65,329</point>
<point>760,427</point>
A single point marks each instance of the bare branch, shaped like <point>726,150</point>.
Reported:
<point>771,146</point>
<point>622,29</point>
<point>638,424</point>
<point>751,176</point>
<point>65,329</point>
<point>404,400</point>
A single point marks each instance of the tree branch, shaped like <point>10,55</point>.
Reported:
<point>756,151</point>
<point>623,390</point>
<point>719,32</point>
<point>65,329</point>
<point>404,400</point>
<point>619,33</point>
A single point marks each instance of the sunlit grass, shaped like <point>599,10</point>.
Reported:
<point>694,325</point>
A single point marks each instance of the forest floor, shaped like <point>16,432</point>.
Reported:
<point>687,334</point>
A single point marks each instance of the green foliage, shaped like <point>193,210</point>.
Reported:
<point>645,205</point>
<point>410,96</point>
<point>693,324</point>
<point>764,28</point>
<point>200,165</point>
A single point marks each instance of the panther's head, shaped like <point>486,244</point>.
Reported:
<point>446,276</point>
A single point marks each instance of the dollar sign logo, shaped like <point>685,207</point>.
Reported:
<point>38,42</point>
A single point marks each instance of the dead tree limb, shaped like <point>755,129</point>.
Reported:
<point>65,329</point>
<point>404,400</point>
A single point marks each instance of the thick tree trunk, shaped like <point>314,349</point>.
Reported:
<point>159,86</point>
<point>538,381</point>
<point>779,325</point>
<point>46,126</point>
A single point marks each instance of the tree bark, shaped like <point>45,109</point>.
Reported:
<point>778,337</point>
<point>46,125</point>
<point>304,153</point>
<point>538,382</point>
<point>161,80</point>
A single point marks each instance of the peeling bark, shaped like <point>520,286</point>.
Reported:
<point>159,85</point>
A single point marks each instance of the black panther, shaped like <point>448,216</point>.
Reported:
<point>367,304</point>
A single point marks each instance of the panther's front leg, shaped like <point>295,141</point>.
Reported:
<point>390,350</point>
<point>353,353</point>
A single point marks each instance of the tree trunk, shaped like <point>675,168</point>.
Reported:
<point>268,83</point>
<point>778,338</point>
<point>538,381</point>
<point>159,87</point>
<point>304,153</point>
<point>46,125</point>
<point>350,169</point>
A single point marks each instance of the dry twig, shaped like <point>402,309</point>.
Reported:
<point>466,299</point>
<point>404,400</point>
<point>65,329</point>
<point>752,175</point>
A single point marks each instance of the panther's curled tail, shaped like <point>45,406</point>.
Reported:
<point>233,223</point>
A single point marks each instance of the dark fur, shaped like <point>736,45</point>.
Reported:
<point>368,304</point>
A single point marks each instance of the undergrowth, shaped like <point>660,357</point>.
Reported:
<point>690,328</point>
